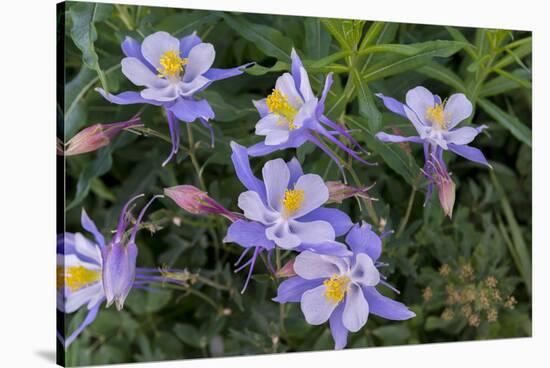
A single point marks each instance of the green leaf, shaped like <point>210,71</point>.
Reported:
<point>379,33</point>
<point>443,74</point>
<point>522,82</point>
<point>400,64</point>
<point>515,55</point>
<point>316,39</point>
<point>229,108</point>
<point>367,107</point>
<point>269,40</point>
<point>141,302</point>
<point>458,36</point>
<point>188,334</point>
<point>84,34</point>
<point>257,69</point>
<point>392,154</point>
<point>501,84</point>
<point>510,122</point>
<point>347,32</point>
<point>519,247</point>
<point>182,24</point>
<point>101,190</point>
<point>393,334</point>
<point>98,167</point>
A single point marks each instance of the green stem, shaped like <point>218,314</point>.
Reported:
<point>211,283</point>
<point>204,297</point>
<point>151,132</point>
<point>368,202</point>
<point>193,157</point>
<point>125,17</point>
<point>405,219</point>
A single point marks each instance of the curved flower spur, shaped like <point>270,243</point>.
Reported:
<point>90,272</point>
<point>292,115</point>
<point>435,121</point>
<point>171,71</point>
<point>342,290</point>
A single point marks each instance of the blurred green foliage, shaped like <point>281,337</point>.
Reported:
<point>489,235</point>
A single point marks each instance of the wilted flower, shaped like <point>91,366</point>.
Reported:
<point>445,270</point>
<point>510,302</point>
<point>492,315</point>
<point>292,115</point>
<point>342,290</point>
<point>284,210</point>
<point>171,71</point>
<point>435,120</point>
<point>96,136</point>
<point>427,293</point>
<point>195,201</point>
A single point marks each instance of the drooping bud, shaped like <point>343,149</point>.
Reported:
<point>339,191</point>
<point>437,173</point>
<point>96,136</point>
<point>446,191</point>
<point>119,258</point>
<point>197,202</point>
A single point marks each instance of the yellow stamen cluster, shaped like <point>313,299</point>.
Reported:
<point>293,200</point>
<point>171,64</point>
<point>76,277</point>
<point>277,103</point>
<point>336,288</point>
<point>436,115</point>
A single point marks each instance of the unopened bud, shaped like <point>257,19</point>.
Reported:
<point>96,136</point>
<point>339,191</point>
<point>197,202</point>
<point>287,270</point>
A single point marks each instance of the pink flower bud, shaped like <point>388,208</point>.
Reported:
<point>446,191</point>
<point>287,270</point>
<point>96,136</point>
<point>437,173</point>
<point>339,191</point>
<point>197,202</point>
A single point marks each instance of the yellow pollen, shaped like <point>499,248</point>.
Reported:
<point>171,64</point>
<point>336,286</point>
<point>436,115</point>
<point>293,200</point>
<point>76,277</point>
<point>277,103</point>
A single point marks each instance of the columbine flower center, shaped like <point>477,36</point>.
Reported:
<point>76,277</point>
<point>336,288</point>
<point>171,64</point>
<point>436,115</point>
<point>277,103</point>
<point>293,200</point>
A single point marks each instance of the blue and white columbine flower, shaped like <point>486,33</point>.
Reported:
<point>171,72</point>
<point>79,271</point>
<point>435,121</point>
<point>284,210</point>
<point>342,290</point>
<point>292,115</point>
<point>89,273</point>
